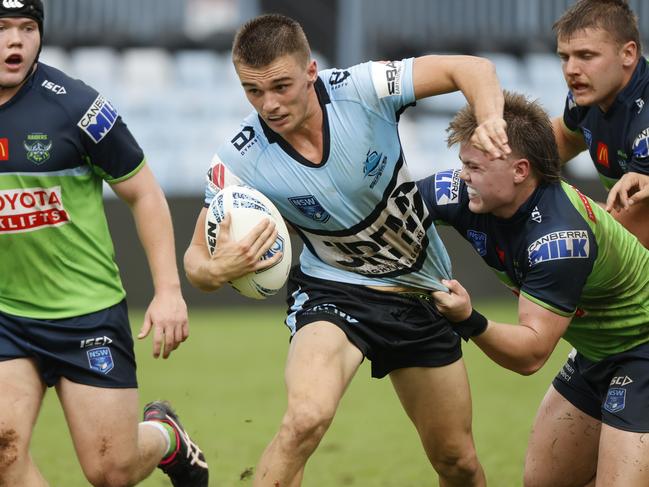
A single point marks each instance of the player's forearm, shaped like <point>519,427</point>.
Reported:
<point>199,269</point>
<point>515,347</point>
<point>156,236</point>
<point>479,83</point>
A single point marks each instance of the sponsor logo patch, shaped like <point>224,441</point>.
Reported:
<point>640,103</point>
<point>571,101</point>
<point>588,137</point>
<point>641,145</point>
<point>447,187</point>
<point>621,381</point>
<point>309,206</point>
<point>615,400</point>
<point>100,359</point>
<point>38,147</point>
<point>536,215</point>
<point>4,149</point>
<point>387,78</point>
<point>53,87</point>
<point>12,4</point>
<point>27,209</point>
<point>98,119</point>
<point>337,77</point>
<point>567,244</point>
<point>478,240</point>
<point>244,139</point>
<point>602,154</point>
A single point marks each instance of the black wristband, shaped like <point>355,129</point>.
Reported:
<point>474,325</point>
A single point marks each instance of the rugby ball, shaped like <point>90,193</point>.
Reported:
<point>247,208</point>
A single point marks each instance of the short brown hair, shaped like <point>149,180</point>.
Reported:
<point>265,38</point>
<point>612,16</point>
<point>529,131</point>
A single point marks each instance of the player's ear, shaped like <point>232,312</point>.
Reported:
<point>522,169</point>
<point>312,71</point>
<point>629,53</point>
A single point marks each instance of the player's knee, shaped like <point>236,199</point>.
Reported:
<point>305,422</point>
<point>111,476</point>
<point>456,464</point>
<point>111,471</point>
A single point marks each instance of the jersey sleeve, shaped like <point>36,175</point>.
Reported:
<point>640,150</point>
<point>111,149</point>
<point>443,193</point>
<point>218,177</point>
<point>559,265</point>
<point>386,86</point>
<point>572,113</point>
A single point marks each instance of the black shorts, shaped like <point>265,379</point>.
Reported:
<point>392,330</point>
<point>614,391</point>
<point>95,349</point>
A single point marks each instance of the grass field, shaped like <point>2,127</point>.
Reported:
<point>227,383</point>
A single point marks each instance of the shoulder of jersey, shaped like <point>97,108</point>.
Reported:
<point>342,83</point>
<point>245,142</point>
<point>55,83</point>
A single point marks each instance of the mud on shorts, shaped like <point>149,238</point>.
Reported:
<point>94,349</point>
<point>393,330</point>
<point>614,391</point>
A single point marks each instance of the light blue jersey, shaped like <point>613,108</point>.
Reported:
<point>360,216</point>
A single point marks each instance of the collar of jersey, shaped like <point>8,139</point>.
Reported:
<point>23,89</point>
<point>633,88</point>
<point>525,209</point>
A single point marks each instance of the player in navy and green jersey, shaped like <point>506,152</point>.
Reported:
<point>324,147</point>
<point>63,316</point>
<point>579,275</point>
<point>605,112</point>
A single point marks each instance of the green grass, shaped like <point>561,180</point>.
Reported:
<point>227,384</point>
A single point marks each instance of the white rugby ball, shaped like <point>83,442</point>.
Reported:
<point>247,208</point>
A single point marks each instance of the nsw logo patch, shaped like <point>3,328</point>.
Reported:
<point>478,240</point>
<point>615,400</point>
<point>100,359</point>
<point>309,206</point>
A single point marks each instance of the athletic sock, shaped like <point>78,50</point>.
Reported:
<point>169,435</point>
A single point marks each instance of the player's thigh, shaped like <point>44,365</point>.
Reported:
<point>320,365</point>
<point>438,401</point>
<point>103,423</point>
<point>21,395</point>
<point>563,444</point>
<point>623,458</point>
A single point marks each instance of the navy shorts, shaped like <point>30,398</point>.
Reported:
<point>95,349</point>
<point>392,330</point>
<point>614,391</point>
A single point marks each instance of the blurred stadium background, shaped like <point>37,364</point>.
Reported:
<point>165,64</point>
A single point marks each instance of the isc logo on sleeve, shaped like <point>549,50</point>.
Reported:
<point>567,244</point>
<point>98,119</point>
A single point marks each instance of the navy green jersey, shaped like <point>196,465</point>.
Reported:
<point>360,215</point>
<point>563,252</point>
<point>618,140</point>
<point>59,139</point>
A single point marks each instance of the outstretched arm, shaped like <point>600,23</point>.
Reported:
<point>167,312</point>
<point>523,348</point>
<point>476,78</point>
